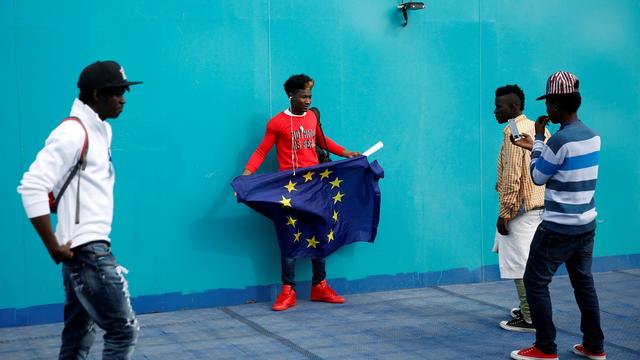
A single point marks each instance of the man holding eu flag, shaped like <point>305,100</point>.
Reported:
<point>295,132</point>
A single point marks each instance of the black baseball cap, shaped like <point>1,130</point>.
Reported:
<point>102,75</point>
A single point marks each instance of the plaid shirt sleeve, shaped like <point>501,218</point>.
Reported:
<point>510,167</point>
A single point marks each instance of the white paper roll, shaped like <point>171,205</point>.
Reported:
<point>373,149</point>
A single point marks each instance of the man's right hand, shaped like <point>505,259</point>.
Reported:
<point>58,253</point>
<point>350,154</point>
<point>61,253</point>
<point>525,141</point>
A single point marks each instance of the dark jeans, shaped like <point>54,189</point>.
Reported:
<point>548,251</point>
<point>96,292</point>
<point>289,271</point>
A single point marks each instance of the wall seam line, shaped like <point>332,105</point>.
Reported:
<point>269,58</point>
<point>482,235</point>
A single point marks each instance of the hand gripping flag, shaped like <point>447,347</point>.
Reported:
<point>318,209</point>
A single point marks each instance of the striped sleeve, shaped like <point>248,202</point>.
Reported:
<point>544,162</point>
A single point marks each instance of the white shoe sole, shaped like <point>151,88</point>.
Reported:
<point>503,324</point>
<point>514,355</point>
<point>592,357</point>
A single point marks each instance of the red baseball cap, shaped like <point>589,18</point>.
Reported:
<point>562,82</point>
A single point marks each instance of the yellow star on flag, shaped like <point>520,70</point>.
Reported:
<point>285,201</point>
<point>308,176</point>
<point>335,215</point>
<point>291,186</point>
<point>291,221</point>
<point>325,174</point>
<point>338,197</point>
<point>330,236</point>
<point>336,182</point>
<point>312,242</point>
<point>297,236</point>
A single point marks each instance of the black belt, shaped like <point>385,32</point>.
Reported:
<point>538,208</point>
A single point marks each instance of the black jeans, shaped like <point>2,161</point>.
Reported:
<point>548,251</point>
<point>289,271</point>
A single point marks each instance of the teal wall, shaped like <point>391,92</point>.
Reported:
<point>213,73</point>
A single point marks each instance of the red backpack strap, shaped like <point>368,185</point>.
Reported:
<point>80,165</point>
<point>85,145</point>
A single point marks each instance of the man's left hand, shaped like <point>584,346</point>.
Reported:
<point>350,154</point>
<point>540,125</point>
<point>503,226</point>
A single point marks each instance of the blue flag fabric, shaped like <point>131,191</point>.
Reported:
<point>318,209</point>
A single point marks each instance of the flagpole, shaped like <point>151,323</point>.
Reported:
<point>373,149</point>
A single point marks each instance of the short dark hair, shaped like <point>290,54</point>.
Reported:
<point>85,96</point>
<point>512,89</point>
<point>570,103</point>
<point>297,82</point>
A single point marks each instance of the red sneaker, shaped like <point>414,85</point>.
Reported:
<point>322,292</point>
<point>286,299</point>
<point>579,349</point>
<point>532,353</point>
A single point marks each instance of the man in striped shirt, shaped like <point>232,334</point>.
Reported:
<point>568,165</point>
<point>521,203</point>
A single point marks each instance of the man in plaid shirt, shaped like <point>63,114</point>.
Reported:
<point>521,203</point>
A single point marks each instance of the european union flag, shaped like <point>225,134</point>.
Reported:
<point>320,208</point>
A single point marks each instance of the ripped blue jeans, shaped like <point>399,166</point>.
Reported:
<point>96,293</point>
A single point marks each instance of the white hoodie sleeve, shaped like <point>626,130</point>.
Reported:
<point>51,167</point>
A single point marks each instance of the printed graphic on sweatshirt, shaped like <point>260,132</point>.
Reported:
<point>304,139</point>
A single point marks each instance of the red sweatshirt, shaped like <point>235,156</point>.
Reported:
<point>305,132</point>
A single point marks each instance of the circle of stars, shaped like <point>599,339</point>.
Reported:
<point>287,202</point>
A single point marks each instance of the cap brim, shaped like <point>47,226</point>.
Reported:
<point>129,83</point>
<point>123,84</point>
<point>542,97</point>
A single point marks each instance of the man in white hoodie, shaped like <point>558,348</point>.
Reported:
<point>95,288</point>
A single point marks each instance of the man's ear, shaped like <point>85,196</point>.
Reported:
<point>94,95</point>
<point>513,107</point>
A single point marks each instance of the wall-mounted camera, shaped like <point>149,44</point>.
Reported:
<point>407,6</point>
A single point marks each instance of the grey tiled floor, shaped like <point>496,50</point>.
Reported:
<point>447,322</point>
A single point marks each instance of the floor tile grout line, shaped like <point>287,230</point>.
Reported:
<point>626,273</point>
<point>262,316</point>
<point>607,343</point>
<point>21,339</point>
<point>142,327</point>
<point>284,341</point>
